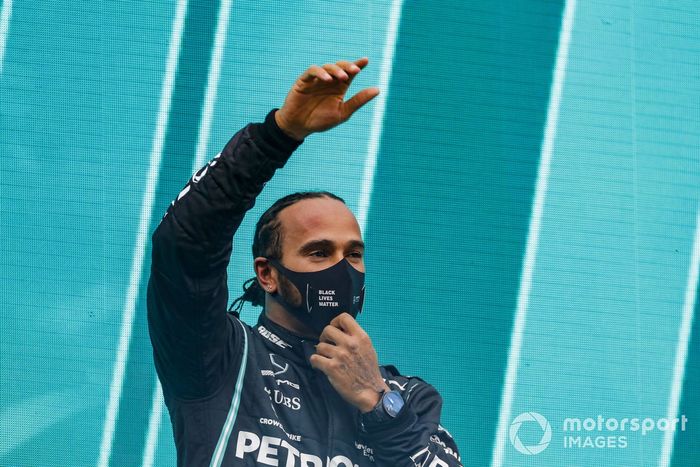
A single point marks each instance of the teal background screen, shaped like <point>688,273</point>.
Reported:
<point>528,188</point>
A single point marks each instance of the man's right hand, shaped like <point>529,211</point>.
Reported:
<point>316,101</point>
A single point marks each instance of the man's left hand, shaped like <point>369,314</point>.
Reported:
<point>345,354</point>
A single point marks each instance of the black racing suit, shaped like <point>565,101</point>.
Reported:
<point>242,395</point>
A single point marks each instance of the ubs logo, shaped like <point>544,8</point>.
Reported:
<point>279,398</point>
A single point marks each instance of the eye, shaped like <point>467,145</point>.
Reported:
<point>318,253</point>
<point>356,254</point>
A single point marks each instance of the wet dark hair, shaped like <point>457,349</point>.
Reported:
<point>267,242</point>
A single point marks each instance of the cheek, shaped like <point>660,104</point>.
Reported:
<point>359,265</point>
<point>289,291</point>
<point>300,263</point>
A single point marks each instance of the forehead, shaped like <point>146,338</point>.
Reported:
<point>315,219</point>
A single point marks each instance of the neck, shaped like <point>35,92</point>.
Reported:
<point>280,316</point>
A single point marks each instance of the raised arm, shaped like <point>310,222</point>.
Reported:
<point>187,290</point>
<point>193,340</point>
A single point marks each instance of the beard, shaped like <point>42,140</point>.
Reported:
<point>289,291</point>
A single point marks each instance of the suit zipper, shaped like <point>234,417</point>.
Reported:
<point>330,422</point>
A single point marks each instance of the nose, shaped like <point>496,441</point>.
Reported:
<point>338,256</point>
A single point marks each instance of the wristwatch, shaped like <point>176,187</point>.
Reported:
<point>388,408</point>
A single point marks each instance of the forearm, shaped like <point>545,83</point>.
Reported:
<point>187,291</point>
<point>194,237</point>
<point>415,436</point>
<point>408,442</point>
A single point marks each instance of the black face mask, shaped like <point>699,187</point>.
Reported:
<point>325,294</point>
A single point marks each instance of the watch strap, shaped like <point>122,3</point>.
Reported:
<point>379,413</point>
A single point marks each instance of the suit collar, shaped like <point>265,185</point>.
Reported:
<point>285,342</point>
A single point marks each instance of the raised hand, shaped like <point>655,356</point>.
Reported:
<point>316,101</point>
<point>345,354</point>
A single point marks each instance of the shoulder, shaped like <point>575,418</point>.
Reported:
<point>241,331</point>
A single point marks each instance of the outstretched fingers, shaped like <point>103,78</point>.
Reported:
<point>336,71</point>
<point>315,71</point>
<point>361,62</point>
<point>352,68</point>
<point>358,100</point>
<point>343,70</point>
<point>349,67</point>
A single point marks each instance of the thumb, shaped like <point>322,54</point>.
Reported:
<point>358,100</point>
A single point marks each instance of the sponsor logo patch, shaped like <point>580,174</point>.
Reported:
<point>272,422</point>
<point>270,450</point>
<point>279,398</point>
<point>272,337</point>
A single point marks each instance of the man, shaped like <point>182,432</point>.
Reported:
<point>302,387</point>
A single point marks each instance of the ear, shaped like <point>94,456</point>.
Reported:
<point>266,274</point>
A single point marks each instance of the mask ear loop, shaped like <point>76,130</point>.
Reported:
<point>278,297</point>
<point>278,265</point>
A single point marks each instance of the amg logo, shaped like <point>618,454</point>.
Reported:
<point>279,381</point>
<point>266,450</point>
<point>287,382</point>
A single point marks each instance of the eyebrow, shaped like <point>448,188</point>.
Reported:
<point>325,244</point>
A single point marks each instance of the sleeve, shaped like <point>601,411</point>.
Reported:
<point>415,437</point>
<point>194,341</point>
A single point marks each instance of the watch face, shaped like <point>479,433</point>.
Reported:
<point>392,402</point>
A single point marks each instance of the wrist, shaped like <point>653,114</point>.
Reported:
<point>389,408</point>
<point>287,129</point>
<point>373,398</point>
<point>370,402</point>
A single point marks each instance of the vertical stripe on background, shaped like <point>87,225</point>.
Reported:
<point>142,235</point>
<point>452,196</point>
<point>533,233</point>
<point>378,116</point>
<point>682,346</point>
<point>212,84</point>
<point>200,155</point>
<point>179,145</point>
<point>5,16</point>
<point>153,427</point>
